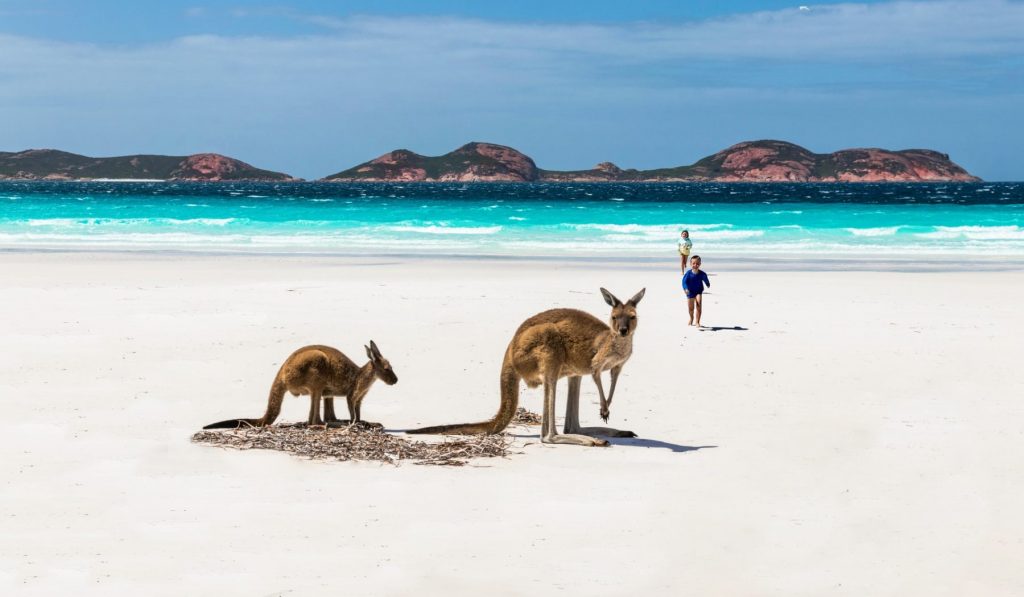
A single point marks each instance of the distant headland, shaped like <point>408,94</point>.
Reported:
<point>51,164</point>
<point>750,161</point>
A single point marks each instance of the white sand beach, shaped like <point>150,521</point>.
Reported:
<point>860,434</point>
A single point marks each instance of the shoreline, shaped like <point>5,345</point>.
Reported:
<point>800,263</point>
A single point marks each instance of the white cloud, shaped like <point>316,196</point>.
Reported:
<point>376,48</point>
<point>425,79</point>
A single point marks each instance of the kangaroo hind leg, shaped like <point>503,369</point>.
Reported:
<point>572,406</point>
<point>329,416</point>
<point>314,408</point>
<point>331,419</point>
<point>549,432</point>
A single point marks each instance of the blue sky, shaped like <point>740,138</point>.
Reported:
<point>311,88</point>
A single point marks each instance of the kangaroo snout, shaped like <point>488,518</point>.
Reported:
<point>624,331</point>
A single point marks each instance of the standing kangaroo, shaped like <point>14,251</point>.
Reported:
<point>322,372</point>
<point>562,343</point>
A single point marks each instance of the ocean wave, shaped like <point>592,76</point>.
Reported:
<point>469,230</point>
<point>729,234</point>
<point>660,229</point>
<point>100,222</point>
<point>975,233</point>
<point>373,240</point>
<point>882,231</point>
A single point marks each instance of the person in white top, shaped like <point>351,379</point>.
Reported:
<point>684,250</point>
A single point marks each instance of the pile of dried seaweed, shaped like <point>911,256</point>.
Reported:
<point>525,417</point>
<point>358,442</point>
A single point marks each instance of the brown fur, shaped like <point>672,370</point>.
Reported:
<point>554,344</point>
<point>323,373</point>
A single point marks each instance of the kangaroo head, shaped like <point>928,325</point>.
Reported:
<point>381,367</point>
<point>623,317</point>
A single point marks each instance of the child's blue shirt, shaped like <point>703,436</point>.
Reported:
<point>693,283</point>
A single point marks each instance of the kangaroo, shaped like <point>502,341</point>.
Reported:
<point>322,372</point>
<point>562,343</point>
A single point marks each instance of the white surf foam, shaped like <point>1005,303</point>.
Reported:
<point>975,233</point>
<point>471,230</point>
<point>881,231</point>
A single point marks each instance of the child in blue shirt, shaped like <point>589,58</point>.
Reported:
<point>693,285</point>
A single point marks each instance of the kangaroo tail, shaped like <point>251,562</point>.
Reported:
<point>509,401</point>
<point>273,409</point>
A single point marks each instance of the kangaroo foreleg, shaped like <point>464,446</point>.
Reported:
<point>549,432</point>
<point>359,416</point>
<point>600,391</point>
<point>605,403</point>
<point>611,392</point>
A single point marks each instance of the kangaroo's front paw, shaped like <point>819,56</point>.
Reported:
<point>605,414</point>
<point>370,425</point>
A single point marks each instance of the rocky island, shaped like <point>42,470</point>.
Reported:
<point>751,161</point>
<point>51,164</point>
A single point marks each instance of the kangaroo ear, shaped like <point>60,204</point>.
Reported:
<point>376,351</point>
<point>369,353</point>
<point>610,298</point>
<point>636,297</point>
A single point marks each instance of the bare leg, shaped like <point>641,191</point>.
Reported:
<point>699,300</point>
<point>602,431</point>
<point>548,433</point>
<point>682,264</point>
<point>689,307</point>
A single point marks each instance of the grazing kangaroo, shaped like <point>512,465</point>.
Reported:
<point>562,343</point>
<point>322,372</point>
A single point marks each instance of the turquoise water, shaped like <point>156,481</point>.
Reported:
<point>737,220</point>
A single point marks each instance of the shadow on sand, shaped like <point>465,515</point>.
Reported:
<point>719,328</point>
<point>634,442</point>
<point>639,442</point>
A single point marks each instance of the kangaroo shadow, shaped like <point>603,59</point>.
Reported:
<point>718,328</point>
<point>639,442</point>
<point>635,442</point>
